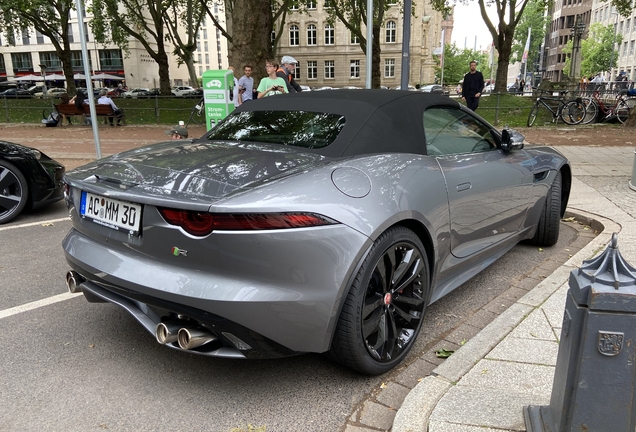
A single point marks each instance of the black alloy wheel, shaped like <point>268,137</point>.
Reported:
<point>384,309</point>
<point>14,191</point>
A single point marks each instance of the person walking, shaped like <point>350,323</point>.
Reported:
<point>272,84</point>
<point>246,85</point>
<point>286,72</point>
<point>472,86</point>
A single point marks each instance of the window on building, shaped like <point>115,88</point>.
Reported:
<point>200,70</point>
<point>86,34</point>
<point>111,59</point>
<point>198,45</point>
<point>39,37</point>
<point>312,69</point>
<point>25,37</point>
<point>560,40</point>
<point>296,73</point>
<point>294,5</point>
<point>205,46</point>
<point>71,39</point>
<point>294,35</point>
<point>311,35</point>
<point>330,69</point>
<point>390,31</point>
<point>207,59</point>
<point>311,4</point>
<point>355,68</point>
<point>355,40</point>
<point>22,61</point>
<point>3,68</point>
<point>328,4</point>
<point>330,38</point>
<point>199,58</point>
<point>620,27</point>
<point>78,63</point>
<point>50,60</point>
<point>631,48</point>
<point>389,68</point>
<point>205,33</point>
<point>570,21</point>
<point>627,26</point>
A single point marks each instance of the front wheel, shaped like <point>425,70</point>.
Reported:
<point>14,191</point>
<point>533,114</point>
<point>573,113</point>
<point>591,110</point>
<point>383,312</point>
<point>622,111</point>
<point>548,227</point>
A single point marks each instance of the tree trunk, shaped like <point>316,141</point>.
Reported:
<point>164,70</point>
<point>376,76</point>
<point>194,81</point>
<point>67,67</point>
<point>504,48</point>
<point>251,36</point>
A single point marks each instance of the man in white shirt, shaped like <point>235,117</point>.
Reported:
<point>105,100</point>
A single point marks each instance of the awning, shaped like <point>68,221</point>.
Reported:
<point>29,78</point>
<point>55,77</point>
<point>79,76</point>
<point>104,76</point>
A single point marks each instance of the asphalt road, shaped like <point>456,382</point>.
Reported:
<point>68,365</point>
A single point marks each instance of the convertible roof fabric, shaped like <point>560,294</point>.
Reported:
<point>377,121</point>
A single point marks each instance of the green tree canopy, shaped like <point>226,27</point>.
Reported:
<point>596,50</point>
<point>534,18</point>
<point>457,63</point>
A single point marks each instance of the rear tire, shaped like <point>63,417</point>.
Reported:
<point>573,113</point>
<point>622,111</point>
<point>533,114</point>
<point>550,221</point>
<point>591,111</point>
<point>384,309</point>
<point>14,191</point>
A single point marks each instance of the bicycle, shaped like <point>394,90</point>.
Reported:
<point>594,105</point>
<point>197,115</point>
<point>571,112</point>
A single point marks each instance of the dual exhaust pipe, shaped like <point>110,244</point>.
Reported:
<point>188,337</point>
<point>73,281</point>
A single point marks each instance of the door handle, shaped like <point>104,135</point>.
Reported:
<point>464,186</point>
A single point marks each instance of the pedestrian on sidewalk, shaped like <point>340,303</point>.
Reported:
<point>472,86</point>
<point>286,72</point>
<point>271,84</point>
<point>246,85</point>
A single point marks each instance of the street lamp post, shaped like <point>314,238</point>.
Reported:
<point>43,72</point>
<point>611,66</point>
<point>576,31</point>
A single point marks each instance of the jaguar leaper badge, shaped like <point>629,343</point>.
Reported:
<point>610,343</point>
<point>176,251</point>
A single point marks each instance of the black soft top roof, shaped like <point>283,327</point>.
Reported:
<point>377,121</point>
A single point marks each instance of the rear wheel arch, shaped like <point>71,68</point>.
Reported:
<point>566,185</point>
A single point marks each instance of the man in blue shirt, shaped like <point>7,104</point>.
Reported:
<point>246,85</point>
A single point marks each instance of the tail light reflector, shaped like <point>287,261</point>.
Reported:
<point>201,223</point>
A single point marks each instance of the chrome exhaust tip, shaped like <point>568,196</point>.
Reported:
<point>190,338</point>
<point>167,332</point>
<point>73,281</point>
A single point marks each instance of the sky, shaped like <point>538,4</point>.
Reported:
<point>468,24</point>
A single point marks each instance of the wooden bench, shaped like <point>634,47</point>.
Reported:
<point>100,110</point>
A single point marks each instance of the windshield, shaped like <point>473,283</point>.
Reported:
<point>304,129</point>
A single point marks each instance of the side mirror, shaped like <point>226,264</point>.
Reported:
<point>511,140</point>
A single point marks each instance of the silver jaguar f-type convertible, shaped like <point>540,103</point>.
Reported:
<point>312,222</point>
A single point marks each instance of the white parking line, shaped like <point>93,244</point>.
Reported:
<point>35,223</point>
<point>37,304</point>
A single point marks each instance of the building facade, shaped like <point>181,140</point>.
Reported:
<point>329,55</point>
<point>565,14</point>
<point>624,58</point>
<point>29,50</point>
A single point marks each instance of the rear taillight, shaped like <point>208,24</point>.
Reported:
<point>201,224</point>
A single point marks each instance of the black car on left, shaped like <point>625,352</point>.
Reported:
<point>29,179</point>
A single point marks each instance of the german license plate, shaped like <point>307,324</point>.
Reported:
<point>111,213</point>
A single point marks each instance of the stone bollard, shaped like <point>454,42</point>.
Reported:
<point>595,377</point>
